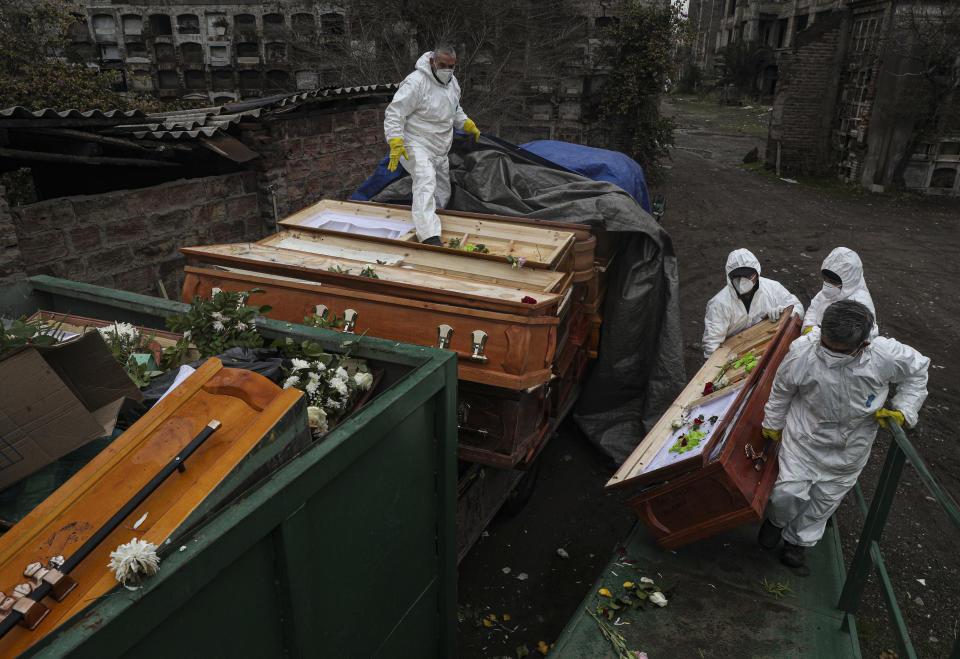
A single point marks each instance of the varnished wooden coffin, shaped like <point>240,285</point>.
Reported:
<point>719,488</point>
<point>260,424</point>
<point>393,281</point>
<point>542,247</point>
<point>518,350</point>
<point>498,426</point>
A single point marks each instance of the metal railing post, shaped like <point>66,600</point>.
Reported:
<point>872,529</point>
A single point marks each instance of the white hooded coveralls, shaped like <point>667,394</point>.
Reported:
<point>846,264</point>
<point>424,112</point>
<point>726,314</point>
<point>825,406</point>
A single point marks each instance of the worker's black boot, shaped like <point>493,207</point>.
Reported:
<point>769,536</point>
<point>792,555</point>
<point>433,240</point>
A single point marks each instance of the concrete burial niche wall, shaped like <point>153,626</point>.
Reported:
<point>128,239</point>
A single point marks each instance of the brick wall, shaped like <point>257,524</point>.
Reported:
<point>11,263</point>
<point>129,239</point>
<point>804,109</point>
<point>324,154</point>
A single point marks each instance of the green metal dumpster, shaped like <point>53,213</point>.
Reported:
<point>349,550</point>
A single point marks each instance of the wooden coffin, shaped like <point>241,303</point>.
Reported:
<point>517,352</point>
<point>395,281</point>
<point>717,487</point>
<point>71,324</point>
<point>419,258</point>
<point>259,423</point>
<point>542,247</point>
<point>497,426</point>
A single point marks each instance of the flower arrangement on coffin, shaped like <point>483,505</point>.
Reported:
<point>331,383</point>
<point>214,324</point>
<point>747,362</point>
<point>125,341</point>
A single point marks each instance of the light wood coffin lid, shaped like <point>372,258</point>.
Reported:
<point>247,404</point>
<point>450,263</point>
<point>756,338</point>
<point>519,349</point>
<point>542,247</point>
<point>393,280</point>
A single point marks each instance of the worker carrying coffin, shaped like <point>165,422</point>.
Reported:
<point>418,125</point>
<point>842,274</point>
<point>827,398</point>
<point>747,299</point>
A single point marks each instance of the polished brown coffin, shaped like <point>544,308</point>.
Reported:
<point>518,350</point>
<point>253,413</point>
<point>499,426</point>
<point>720,488</point>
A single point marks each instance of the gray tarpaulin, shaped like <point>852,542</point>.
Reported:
<point>639,370</point>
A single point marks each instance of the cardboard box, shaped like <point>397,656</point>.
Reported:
<point>55,399</point>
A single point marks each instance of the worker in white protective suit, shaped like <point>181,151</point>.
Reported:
<point>418,125</point>
<point>827,398</point>
<point>842,274</point>
<point>746,299</point>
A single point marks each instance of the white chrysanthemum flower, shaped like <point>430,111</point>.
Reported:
<point>216,315</point>
<point>291,381</point>
<point>318,418</point>
<point>341,373</point>
<point>340,386</point>
<point>319,367</point>
<point>311,387</point>
<point>217,326</point>
<point>334,403</point>
<point>299,364</point>
<point>132,561</point>
<point>363,380</point>
<point>241,327</point>
<point>313,375</point>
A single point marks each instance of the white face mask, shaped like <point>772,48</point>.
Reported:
<point>830,291</point>
<point>444,75</point>
<point>832,358</point>
<point>743,285</point>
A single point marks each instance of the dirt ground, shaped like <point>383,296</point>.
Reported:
<point>715,204</point>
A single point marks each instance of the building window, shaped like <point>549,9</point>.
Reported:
<point>217,24</point>
<point>191,53</point>
<point>332,23</point>
<point>163,52</point>
<point>109,52</point>
<point>949,151</point>
<point>194,79</point>
<point>276,52</point>
<point>104,25</point>
<point>943,177</point>
<point>245,22</point>
<point>188,24</point>
<point>249,80</point>
<point>865,34</point>
<point>219,56</point>
<point>307,80</point>
<point>160,25</point>
<point>802,21</point>
<point>222,80</point>
<point>168,80</point>
<point>248,50</point>
<point>278,80</point>
<point>136,49</point>
<point>132,24</point>
<point>272,23</point>
<point>303,23</point>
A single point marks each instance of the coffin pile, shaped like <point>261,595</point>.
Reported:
<point>517,300</point>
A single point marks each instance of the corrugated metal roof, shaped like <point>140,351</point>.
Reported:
<point>187,124</point>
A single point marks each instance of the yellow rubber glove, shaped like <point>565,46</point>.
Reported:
<point>772,435</point>
<point>470,128</point>
<point>883,414</point>
<point>808,329</point>
<point>396,150</point>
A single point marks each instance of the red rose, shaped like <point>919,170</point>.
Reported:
<point>684,442</point>
<point>697,422</point>
<point>528,300</point>
<point>708,389</point>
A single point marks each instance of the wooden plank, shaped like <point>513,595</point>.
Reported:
<point>446,262</point>
<point>393,280</point>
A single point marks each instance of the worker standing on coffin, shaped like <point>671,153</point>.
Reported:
<point>747,299</point>
<point>826,401</point>
<point>842,274</point>
<point>418,125</point>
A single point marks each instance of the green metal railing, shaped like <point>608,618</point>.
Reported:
<point>868,556</point>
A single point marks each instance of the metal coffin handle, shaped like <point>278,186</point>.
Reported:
<point>349,320</point>
<point>444,336</point>
<point>478,343</point>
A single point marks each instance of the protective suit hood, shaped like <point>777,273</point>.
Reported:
<point>847,265</point>
<point>740,258</point>
<point>423,65</point>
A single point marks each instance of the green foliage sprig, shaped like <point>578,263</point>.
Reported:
<point>22,332</point>
<point>215,324</point>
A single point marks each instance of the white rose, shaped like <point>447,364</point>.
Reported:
<point>318,418</point>
<point>363,380</point>
<point>676,424</point>
<point>299,364</point>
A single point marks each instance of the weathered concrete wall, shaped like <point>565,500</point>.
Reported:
<point>11,263</point>
<point>129,239</point>
<point>804,109</point>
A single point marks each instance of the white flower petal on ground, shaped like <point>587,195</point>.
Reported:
<point>658,599</point>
